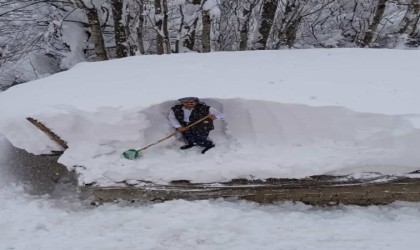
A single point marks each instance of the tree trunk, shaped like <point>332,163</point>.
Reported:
<point>140,28</point>
<point>97,36</point>
<point>289,25</point>
<point>244,22</point>
<point>244,29</point>
<point>205,36</point>
<point>289,35</point>
<point>189,41</point>
<point>131,43</point>
<point>411,18</point>
<point>119,31</point>
<point>166,40</point>
<point>158,27</point>
<point>269,8</point>
<point>380,10</point>
<point>181,26</point>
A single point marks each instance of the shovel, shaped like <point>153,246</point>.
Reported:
<point>132,154</point>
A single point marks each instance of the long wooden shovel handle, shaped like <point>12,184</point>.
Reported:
<point>197,122</point>
<point>174,133</point>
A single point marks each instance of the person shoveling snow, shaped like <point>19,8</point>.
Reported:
<point>189,111</point>
<point>192,118</point>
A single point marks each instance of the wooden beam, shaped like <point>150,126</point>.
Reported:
<point>318,192</point>
<point>53,136</point>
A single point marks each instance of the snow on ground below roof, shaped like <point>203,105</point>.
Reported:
<point>288,114</point>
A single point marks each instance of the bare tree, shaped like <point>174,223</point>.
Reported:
<point>290,17</point>
<point>189,40</point>
<point>178,26</point>
<point>180,29</point>
<point>373,26</point>
<point>225,26</point>
<point>130,16</point>
<point>140,27</point>
<point>353,19</point>
<point>205,35</point>
<point>244,20</point>
<point>166,40</point>
<point>158,27</point>
<point>411,18</point>
<point>320,26</point>
<point>30,31</point>
<point>269,8</point>
<point>95,28</point>
<point>119,29</point>
<point>290,21</point>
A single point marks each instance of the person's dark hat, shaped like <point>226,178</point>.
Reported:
<point>189,99</point>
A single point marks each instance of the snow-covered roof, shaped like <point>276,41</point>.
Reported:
<point>289,113</point>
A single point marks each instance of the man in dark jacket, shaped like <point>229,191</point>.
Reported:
<point>189,111</point>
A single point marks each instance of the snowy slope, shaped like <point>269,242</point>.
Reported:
<point>288,114</point>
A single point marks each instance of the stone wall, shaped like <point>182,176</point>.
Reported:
<point>328,190</point>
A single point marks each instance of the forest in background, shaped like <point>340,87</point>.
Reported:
<point>43,37</point>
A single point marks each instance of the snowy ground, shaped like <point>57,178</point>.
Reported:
<point>40,223</point>
<point>61,221</point>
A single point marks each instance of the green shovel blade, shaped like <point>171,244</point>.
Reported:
<point>131,154</point>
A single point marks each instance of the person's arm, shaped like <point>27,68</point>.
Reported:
<point>216,114</point>
<point>172,120</point>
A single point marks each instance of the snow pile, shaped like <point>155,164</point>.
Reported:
<point>288,114</point>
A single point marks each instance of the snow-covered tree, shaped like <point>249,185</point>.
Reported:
<point>95,26</point>
<point>269,9</point>
<point>41,37</point>
<point>119,29</point>
<point>30,35</point>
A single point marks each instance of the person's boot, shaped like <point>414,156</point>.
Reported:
<point>186,146</point>
<point>207,148</point>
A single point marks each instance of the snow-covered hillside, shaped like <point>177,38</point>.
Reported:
<point>288,114</point>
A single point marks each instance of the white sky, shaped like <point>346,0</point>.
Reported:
<point>288,114</point>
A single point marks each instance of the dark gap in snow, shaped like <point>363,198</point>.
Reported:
<point>40,175</point>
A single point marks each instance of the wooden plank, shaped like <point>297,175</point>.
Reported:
<point>53,136</point>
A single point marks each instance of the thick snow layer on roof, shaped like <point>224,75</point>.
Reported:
<point>288,113</point>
